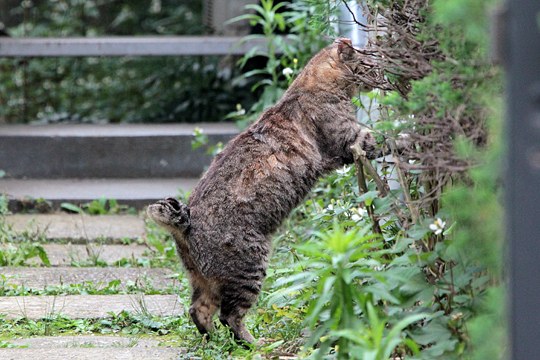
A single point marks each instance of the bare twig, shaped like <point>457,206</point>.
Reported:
<point>353,14</point>
<point>362,186</point>
<point>404,186</point>
<point>381,185</point>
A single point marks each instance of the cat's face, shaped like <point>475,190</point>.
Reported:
<point>339,65</point>
<point>353,63</point>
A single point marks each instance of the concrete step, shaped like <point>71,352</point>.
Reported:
<point>77,341</point>
<point>96,346</point>
<point>91,253</point>
<point>40,278</point>
<point>92,354</point>
<point>106,151</point>
<point>132,192</point>
<point>88,306</point>
<point>79,228</point>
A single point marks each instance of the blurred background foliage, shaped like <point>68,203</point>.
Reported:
<point>126,89</point>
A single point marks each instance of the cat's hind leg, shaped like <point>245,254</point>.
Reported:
<point>204,302</point>
<point>237,297</point>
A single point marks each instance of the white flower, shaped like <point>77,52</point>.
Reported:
<point>240,110</point>
<point>398,123</point>
<point>343,170</point>
<point>330,207</point>
<point>358,214</point>
<point>438,226</point>
<point>287,71</point>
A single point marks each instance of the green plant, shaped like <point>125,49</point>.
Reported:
<point>18,254</point>
<point>4,203</point>
<point>296,48</point>
<point>8,345</point>
<point>17,249</point>
<point>163,248</point>
<point>101,206</point>
<point>200,139</point>
<point>113,287</point>
<point>337,279</point>
<point>377,341</point>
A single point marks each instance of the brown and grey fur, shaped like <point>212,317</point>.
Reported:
<point>224,236</point>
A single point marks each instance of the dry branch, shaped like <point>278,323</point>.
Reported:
<point>397,53</point>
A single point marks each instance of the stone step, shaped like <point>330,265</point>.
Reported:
<point>39,278</point>
<point>70,347</point>
<point>106,151</point>
<point>88,306</point>
<point>132,192</point>
<point>92,354</point>
<point>91,253</point>
<point>79,228</point>
<point>77,341</point>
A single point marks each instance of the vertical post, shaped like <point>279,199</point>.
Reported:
<point>349,12</point>
<point>522,61</point>
<point>217,12</point>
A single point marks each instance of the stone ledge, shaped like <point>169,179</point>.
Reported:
<point>40,278</point>
<point>88,306</point>
<point>106,151</point>
<point>94,341</point>
<point>92,354</point>
<point>133,192</point>
<point>79,228</point>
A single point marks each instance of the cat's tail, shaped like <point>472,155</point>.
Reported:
<point>171,214</point>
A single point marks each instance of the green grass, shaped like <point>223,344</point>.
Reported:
<point>176,331</point>
<point>280,328</point>
<point>113,287</point>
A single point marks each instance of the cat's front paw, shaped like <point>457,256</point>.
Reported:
<point>169,212</point>
<point>401,145</point>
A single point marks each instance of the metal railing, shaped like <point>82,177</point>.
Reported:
<point>126,46</point>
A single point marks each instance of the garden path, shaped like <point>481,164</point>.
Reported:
<point>86,259</point>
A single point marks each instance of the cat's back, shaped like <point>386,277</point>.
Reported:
<point>262,173</point>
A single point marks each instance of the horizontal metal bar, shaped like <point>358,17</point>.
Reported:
<point>126,46</point>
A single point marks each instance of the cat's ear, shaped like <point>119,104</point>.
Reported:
<point>345,49</point>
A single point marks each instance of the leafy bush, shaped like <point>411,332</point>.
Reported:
<point>427,284</point>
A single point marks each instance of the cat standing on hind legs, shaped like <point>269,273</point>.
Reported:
<point>223,237</point>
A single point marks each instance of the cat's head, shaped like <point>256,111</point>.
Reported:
<point>341,65</point>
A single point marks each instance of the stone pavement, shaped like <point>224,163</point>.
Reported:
<point>91,253</point>
<point>79,228</point>
<point>132,192</point>
<point>88,306</point>
<point>108,151</point>
<point>97,238</point>
<point>39,278</point>
<point>91,354</point>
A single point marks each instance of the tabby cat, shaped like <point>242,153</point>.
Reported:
<point>223,236</point>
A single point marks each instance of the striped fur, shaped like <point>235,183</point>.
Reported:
<point>251,187</point>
